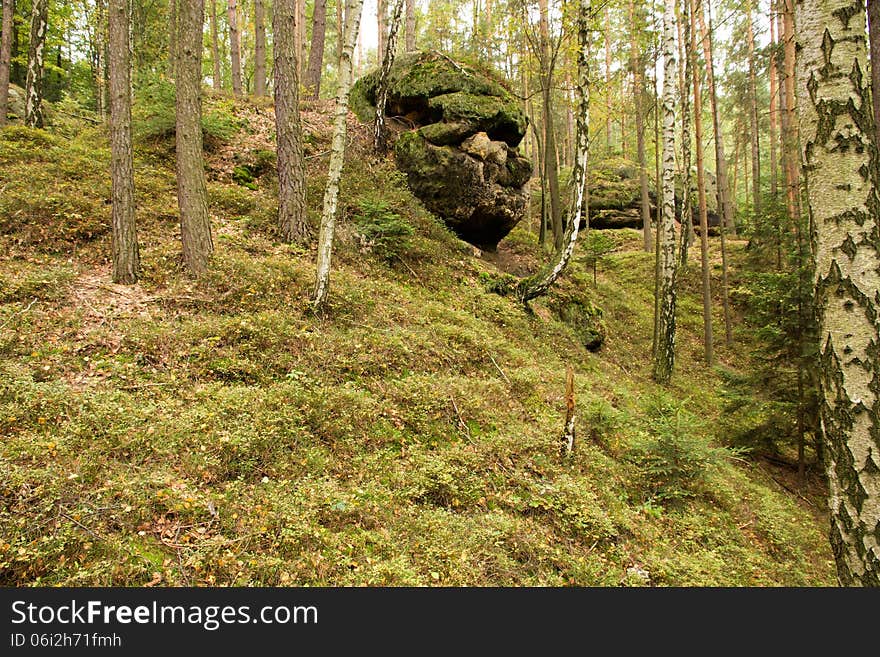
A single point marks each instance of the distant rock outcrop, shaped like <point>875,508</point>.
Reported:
<point>460,151</point>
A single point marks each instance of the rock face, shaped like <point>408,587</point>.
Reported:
<point>615,200</point>
<point>460,152</point>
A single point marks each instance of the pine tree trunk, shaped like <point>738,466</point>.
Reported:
<point>33,115</point>
<point>537,285</point>
<point>292,223</point>
<point>790,127</point>
<point>550,162</point>
<point>5,58</point>
<point>721,167</point>
<point>382,26</point>
<point>774,78</point>
<point>259,49</point>
<point>234,45</point>
<point>100,58</point>
<point>172,37</point>
<point>410,44</point>
<point>664,357</point>
<point>607,31</point>
<point>300,36</point>
<point>379,130</point>
<point>126,260</point>
<point>841,170</point>
<point>753,113</point>
<point>701,198</point>
<point>195,225</point>
<point>638,70</point>
<point>316,52</point>
<point>215,48</point>
<point>337,155</point>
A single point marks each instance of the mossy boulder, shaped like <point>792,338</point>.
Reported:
<point>583,317</point>
<point>459,151</point>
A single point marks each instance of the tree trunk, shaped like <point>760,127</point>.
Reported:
<point>195,225</point>
<point>686,236</point>
<point>410,44</point>
<point>172,37</point>
<point>234,45</point>
<point>874,37</point>
<point>126,260</point>
<point>841,171</point>
<point>379,130</point>
<point>790,128</point>
<point>100,58</point>
<point>259,49</point>
<point>5,58</point>
<point>701,198</point>
<point>382,26</point>
<point>339,33</point>
<point>300,23</point>
<point>753,113</point>
<point>774,78</point>
<point>549,131</point>
<point>292,223</point>
<point>721,165</point>
<point>608,142</point>
<point>337,155</point>
<point>215,48</point>
<point>316,52</point>
<point>637,66</point>
<point>537,285</point>
<point>33,115</point>
<point>664,357</point>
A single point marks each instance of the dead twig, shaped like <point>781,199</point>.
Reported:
<point>20,312</point>
<point>498,367</point>
<point>461,422</point>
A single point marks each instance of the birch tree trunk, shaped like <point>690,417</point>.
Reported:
<point>33,113</point>
<point>217,82</point>
<point>841,170</point>
<point>534,286</point>
<point>701,199</point>
<point>292,223</point>
<point>234,45</point>
<point>410,44</point>
<point>316,52</point>
<point>126,259</point>
<point>195,225</point>
<point>380,135</point>
<point>259,49</point>
<point>353,10</point>
<point>664,357</point>
<point>5,58</point>
<point>686,236</point>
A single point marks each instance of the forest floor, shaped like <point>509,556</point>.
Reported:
<point>214,431</point>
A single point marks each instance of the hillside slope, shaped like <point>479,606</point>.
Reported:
<point>216,432</point>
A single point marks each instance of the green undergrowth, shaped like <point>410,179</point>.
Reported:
<point>217,432</point>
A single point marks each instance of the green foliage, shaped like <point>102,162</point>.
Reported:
<point>381,231</point>
<point>594,247</point>
<point>244,177</point>
<point>154,115</point>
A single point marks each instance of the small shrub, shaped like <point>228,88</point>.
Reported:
<point>381,230</point>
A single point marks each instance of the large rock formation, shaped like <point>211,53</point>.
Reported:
<point>615,196</point>
<point>460,151</point>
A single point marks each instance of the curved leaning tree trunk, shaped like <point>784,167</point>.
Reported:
<point>380,132</point>
<point>537,285</point>
<point>288,134</point>
<point>841,170</point>
<point>664,357</point>
<point>337,155</point>
<point>126,259</point>
<point>33,112</point>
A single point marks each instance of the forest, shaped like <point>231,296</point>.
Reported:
<point>439,293</point>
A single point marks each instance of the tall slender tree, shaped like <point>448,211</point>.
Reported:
<point>33,113</point>
<point>410,43</point>
<point>192,196</point>
<point>701,197</point>
<point>5,57</point>
<point>840,165</point>
<point>753,107</point>
<point>637,65</point>
<point>382,27</point>
<point>126,258</point>
<point>312,81</point>
<point>379,129</point>
<point>774,79</point>
<point>234,45</point>
<point>292,222</point>
<point>664,356</point>
<point>216,80</point>
<point>353,10</point>
<point>259,49</point>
